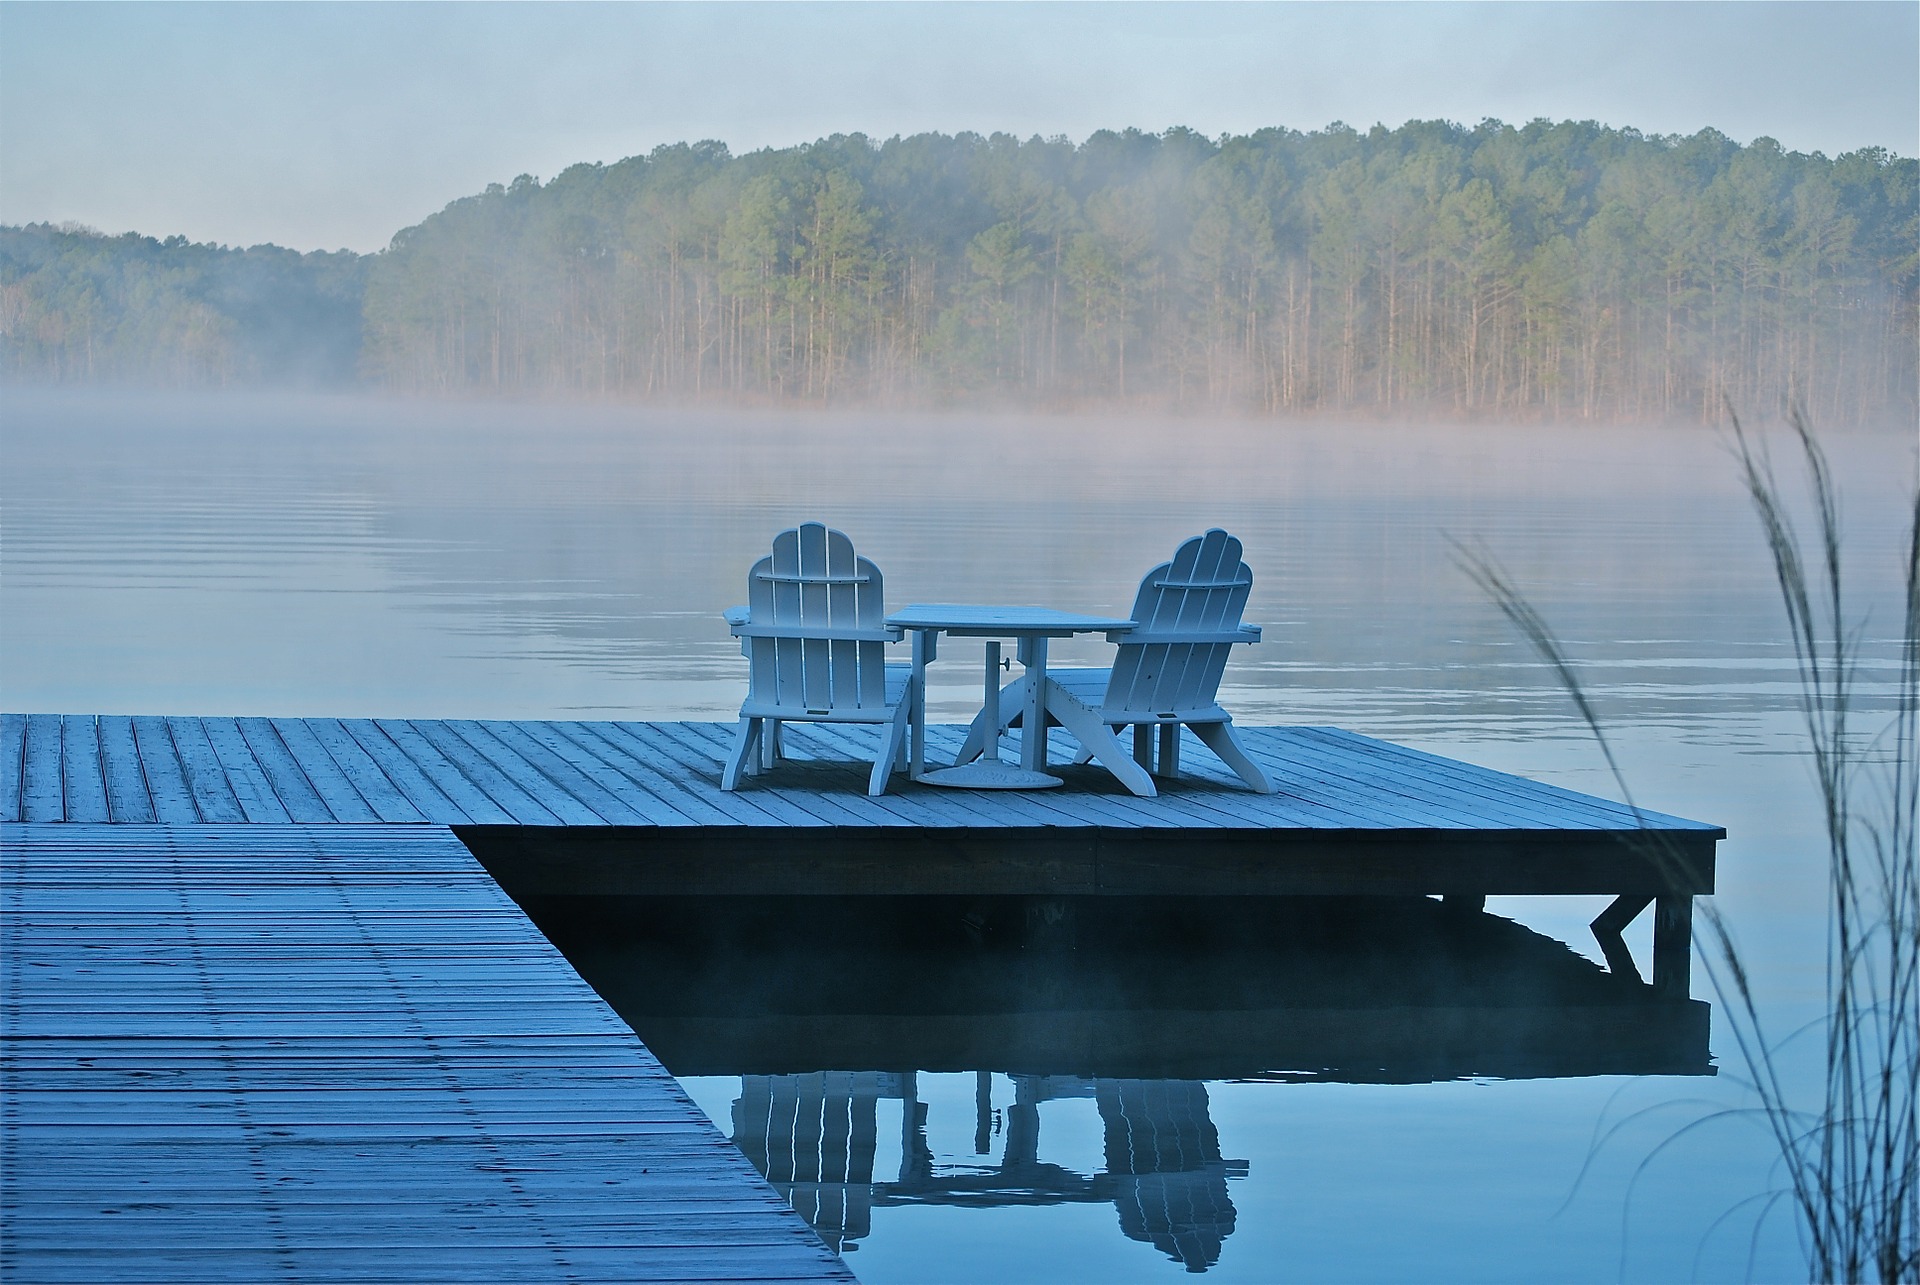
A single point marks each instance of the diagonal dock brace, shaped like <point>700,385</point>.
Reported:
<point>1672,938</point>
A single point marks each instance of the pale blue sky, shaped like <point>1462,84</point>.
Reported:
<point>324,125</point>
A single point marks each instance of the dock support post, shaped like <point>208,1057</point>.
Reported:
<point>1672,945</point>
<point>982,1112</point>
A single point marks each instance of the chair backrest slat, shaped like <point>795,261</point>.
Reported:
<point>1203,589</point>
<point>814,580</point>
<point>816,603</point>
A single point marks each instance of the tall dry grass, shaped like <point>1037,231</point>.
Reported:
<point>1850,1156</point>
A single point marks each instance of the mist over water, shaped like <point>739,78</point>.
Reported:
<point>347,556</point>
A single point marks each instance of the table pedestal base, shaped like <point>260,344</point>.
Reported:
<point>1032,626</point>
<point>990,774</point>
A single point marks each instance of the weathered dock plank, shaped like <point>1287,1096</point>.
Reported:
<point>337,792</point>
<point>699,762</point>
<point>1379,794</point>
<point>166,778</point>
<point>86,783</point>
<point>246,775</point>
<point>551,790</point>
<point>128,799</point>
<point>291,787</point>
<point>13,754</point>
<point>42,791</point>
<point>620,752</point>
<point>468,779</point>
<point>412,781</point>
<point>1472,792</point>
<point>213,796</point>
<point>611,797</point>
<point>757,807</point>
<point>331,1053</point>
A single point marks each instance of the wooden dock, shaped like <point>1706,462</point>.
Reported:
<point>266,1017</point>
<point>644,776</point>
<point>257,1053</point>
<point>626,807</point>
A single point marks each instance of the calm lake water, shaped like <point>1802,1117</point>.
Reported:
<point>245,555</point>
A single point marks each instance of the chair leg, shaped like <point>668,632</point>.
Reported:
<point>913,704</point>
<point>1086,727</point>
<point>1143,745</point>
<point>1220,738</point>
<point>893,750</point>
<point>1169,749</point>
<point>770,744</point>
<point>1085,755</point>
<point>744,743</point>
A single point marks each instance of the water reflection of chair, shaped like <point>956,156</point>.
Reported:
<point>1169,1182</point>
<point>1166,673</point>
<point>813,1136</point>
<point>1164,1172</point>
<point>813,634</point>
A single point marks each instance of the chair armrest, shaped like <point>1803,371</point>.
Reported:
<point>821,633</point>
<point>1143,638</point>
<point>737,616</point>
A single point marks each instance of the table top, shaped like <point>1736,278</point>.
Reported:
<point>966,619</point>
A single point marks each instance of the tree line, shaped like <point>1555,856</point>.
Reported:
<point>79,307</point>
<point>1556,270</point>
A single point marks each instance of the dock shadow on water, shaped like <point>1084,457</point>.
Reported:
<point>826,1007</point>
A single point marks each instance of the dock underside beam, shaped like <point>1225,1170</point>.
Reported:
<point>1084,861</point>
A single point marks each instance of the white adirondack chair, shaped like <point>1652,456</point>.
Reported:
<point>814,635</point>
<point>1165,675</point>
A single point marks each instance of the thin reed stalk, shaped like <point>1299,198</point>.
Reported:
<point>1851,1160</point>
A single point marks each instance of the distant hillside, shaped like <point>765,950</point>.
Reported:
<point>77,306</point>
<point>1552,271</point>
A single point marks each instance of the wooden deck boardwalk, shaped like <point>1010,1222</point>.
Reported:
<point>329,1053</point>
<point>266,1016</point>
<point>320,771</point>
<point>609,807</point>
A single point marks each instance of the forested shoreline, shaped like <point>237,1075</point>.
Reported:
<point>78,307</point>
<point>1554,271</point>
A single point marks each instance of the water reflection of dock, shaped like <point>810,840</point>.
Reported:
<point>1131,1017</point>
<point>1375,990</point>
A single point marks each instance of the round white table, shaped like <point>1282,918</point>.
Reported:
<point>1030,628</point>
